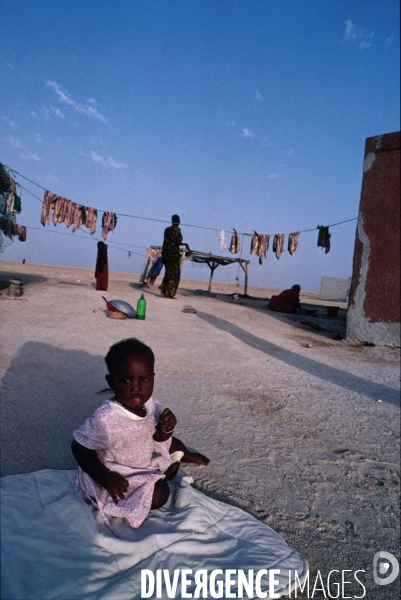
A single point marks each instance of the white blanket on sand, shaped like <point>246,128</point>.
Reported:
<point>56,545</point>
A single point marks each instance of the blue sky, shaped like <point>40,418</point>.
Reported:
<point>232,113</point>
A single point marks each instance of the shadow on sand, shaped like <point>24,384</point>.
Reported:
<point>329,327</point>
<point>26,278</point>
<point>339,377</point>
<point>47,392</point>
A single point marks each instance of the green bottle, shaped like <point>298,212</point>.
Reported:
<point>141,308</point>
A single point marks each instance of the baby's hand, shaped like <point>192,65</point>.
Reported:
<point>116,485</point>
<point>167,421</point>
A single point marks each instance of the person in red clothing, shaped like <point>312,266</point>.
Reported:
<point>102,267</point>
<point>287,301</point>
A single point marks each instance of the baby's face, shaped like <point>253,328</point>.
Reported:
<point>132,382</point>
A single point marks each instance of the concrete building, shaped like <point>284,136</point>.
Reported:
<point>374,305</point>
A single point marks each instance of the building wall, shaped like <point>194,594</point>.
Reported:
<point>374,307</point>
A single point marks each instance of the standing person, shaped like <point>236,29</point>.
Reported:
<point>171,258</point>
<point>102,267</point>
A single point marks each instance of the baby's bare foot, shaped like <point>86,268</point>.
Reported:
<point>196,458</point>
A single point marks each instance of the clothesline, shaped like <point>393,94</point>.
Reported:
<point>89,239</point>
<point>182,224</point>
<point>83,231</point>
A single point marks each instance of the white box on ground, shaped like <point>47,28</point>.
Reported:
<point>335,288</point>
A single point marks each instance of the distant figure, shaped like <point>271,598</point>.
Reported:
<point>102,267</point>
<point>171,257</point>
<point>287,301</point>
<point>155,270</point>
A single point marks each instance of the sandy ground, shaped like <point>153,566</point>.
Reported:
<point>304,438</point>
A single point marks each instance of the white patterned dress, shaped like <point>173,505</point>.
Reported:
<point>124,443</point>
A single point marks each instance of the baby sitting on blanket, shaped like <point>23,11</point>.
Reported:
<point>125,451</point>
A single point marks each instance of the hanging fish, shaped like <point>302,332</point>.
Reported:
<point>323,239</point>
<point>293,242</point>
<point>278,244</point>
<point>235,243</point>
<point>263,246</point>
<point>255,244</point>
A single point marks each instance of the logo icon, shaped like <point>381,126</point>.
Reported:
<point>382,574</point>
